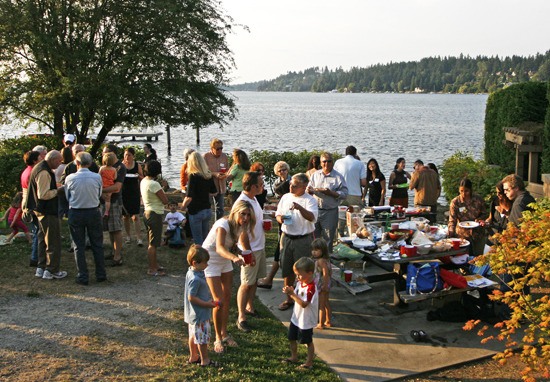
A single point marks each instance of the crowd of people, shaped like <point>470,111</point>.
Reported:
<point>109,198</point>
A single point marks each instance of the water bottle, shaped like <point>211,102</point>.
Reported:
<point>412,286</point>
<point>342,269</point>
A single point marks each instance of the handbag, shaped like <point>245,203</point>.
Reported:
<point>427,275</point>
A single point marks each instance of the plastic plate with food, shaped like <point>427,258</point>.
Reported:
<point>346,239</point>
<point>468,224</point>
<point>463,242</point>
<point>365,243</point>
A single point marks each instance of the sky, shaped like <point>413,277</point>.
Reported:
<point>295,35</point>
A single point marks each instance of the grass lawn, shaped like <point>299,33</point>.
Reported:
<point>258,357</point>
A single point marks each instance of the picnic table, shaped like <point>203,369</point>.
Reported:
<point>395,269</point>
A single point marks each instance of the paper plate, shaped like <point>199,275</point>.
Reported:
<point>346,239</point>
<point>468,224</point>
<point>362,243</point>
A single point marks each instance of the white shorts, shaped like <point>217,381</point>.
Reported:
<point>217,265</point>
<point>200,332</point>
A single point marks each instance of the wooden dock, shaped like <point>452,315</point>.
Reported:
<point>133,136</point>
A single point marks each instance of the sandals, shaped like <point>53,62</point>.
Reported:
<point>305,367</point>
<point>157,273</point>
<point>198,361</point>
<point>260,284</point>
<point>229,341</point>
<point>116,263</point>
<point>252,314</point>
<point>419,335</point>
<point>218,347</point>
<point>285,305</point>
<point>289,361</point>
<point>211,364</point>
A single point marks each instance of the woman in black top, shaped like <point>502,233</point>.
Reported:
<point>398,184</point>
<point>150,153</point>
<point>376,183</point>
<point>200,189</point>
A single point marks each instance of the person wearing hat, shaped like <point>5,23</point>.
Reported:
<point>69,140</point>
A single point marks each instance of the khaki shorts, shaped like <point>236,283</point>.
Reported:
<point>153,223</point>
<point>249,274</point>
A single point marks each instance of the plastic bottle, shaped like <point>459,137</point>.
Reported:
<point>412,286</point>
<point>388,224</point>
<point>342,269</point>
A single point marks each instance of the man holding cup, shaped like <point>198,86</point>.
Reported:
<point>218,164</point>
<point>253,248</point>
<point>297,213</point>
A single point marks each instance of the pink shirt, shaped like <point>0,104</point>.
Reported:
<point>213,163</point>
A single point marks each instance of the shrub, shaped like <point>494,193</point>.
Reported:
<point>524,253</point>
<point>460,165</point>
<point>297,161</point>
<point>510,107</point>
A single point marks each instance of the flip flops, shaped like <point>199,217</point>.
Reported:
<point>218,347</point>
<point>419,335</point>
<point>211,364</point>
<point>229,341</point>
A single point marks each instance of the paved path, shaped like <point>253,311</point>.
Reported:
<point>370,340</point>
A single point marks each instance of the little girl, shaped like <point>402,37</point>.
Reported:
<point>15,221</point>
<point>323,272</point>
<point>108,177</point>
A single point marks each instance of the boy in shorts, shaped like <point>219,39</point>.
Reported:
<point>198,306</point>
<point>305,314</point>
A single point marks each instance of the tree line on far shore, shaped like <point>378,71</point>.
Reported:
<point>462,74</point>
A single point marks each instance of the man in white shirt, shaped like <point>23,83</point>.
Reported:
<point>297,212</point>
<point>328,187</point>
<point>253,185</point>
<point>355,175</point>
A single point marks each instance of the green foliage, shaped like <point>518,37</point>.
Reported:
<point>462,74</point>
<point>296,160</point>
<point>85,66</point>
<point>511,107</point>
<point>545,157</point>
<point>524,253</point>
<point>461,165</point>
<point>12,164</point>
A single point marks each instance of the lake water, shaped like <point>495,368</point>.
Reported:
<point>383,126</point>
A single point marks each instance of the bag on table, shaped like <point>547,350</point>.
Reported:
<point>342,251</point>
<point>453,279</point>
<point>428,278</point>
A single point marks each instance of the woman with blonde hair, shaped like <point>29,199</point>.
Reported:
<point>221,246</point>
<point>200,189</point>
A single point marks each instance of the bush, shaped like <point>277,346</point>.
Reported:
<point>12,164</point>
<point>510,107</point>
<point>460,165</point>
<point>297,161</point>
<point>523,252</point>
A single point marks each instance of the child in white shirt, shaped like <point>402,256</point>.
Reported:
<point>174,219</point>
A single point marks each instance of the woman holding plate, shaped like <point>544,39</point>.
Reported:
<point>466,212</point>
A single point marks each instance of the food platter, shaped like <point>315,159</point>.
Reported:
<point>346,239</point>
<point>468,224</point>
<point>463,242</point>
<point>362,243</point>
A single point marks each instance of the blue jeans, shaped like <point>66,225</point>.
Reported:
<point>219,198</point>
<point>200,225</point>
<point>34,250</point>
<point>87,220</point>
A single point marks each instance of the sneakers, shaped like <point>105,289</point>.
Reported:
<point>50,276</point>
<point>127,240</point>
<point>39,272</point>
<point>140,243</point>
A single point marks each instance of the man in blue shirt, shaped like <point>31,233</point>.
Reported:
<point>83,190</point>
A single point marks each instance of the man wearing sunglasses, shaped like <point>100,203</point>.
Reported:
<point>218,164</point>
<point>329,188</point>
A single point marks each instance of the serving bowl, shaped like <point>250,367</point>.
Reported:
<point>399,234</point>
<point>423,249</point>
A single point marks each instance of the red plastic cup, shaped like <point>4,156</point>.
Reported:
<point>267,224</point>
<point>247,256</point>
<point>223,170</point>
<point>410,250</point>
<point>402,250</point>
<point>348,275</point>
<point>456,243</point>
